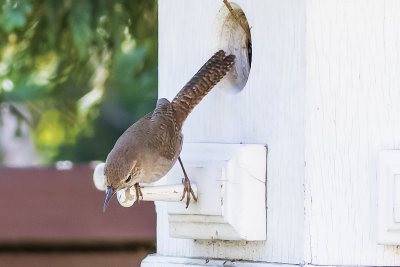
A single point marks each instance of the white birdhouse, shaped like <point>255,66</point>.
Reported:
<point>321,98</point>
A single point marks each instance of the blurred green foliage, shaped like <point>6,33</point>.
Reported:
<point>84,69</point>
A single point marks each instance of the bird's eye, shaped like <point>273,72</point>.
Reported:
<point>128,179</point>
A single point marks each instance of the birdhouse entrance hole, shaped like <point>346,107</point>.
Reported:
<point>231,32</point>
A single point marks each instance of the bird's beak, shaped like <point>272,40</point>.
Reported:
<point>109,194</point>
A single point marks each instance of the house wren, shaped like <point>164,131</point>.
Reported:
<point>149,148</point>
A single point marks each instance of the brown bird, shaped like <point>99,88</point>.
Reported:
<point>149,148</point>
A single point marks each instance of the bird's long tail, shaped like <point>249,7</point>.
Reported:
<point>201,83</point>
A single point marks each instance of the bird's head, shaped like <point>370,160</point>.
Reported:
<point>120,172</point>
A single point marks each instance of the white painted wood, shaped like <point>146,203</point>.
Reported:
<point>231,182</point>
<point>316,265</point>
<point>156,260</point>
<point>352,112</point>
<point>396,192</point>
<point>99,179</point>
<point>388,197</point>
<point>170,193</point>
<point>269,110</point>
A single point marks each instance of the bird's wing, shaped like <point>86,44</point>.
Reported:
<point>163,107</point>
<point>165,137</point>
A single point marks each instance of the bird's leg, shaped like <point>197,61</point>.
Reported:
<point>138,192</point>
<point>187,187</point>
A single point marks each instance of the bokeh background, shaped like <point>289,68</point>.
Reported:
<point>73,76</point>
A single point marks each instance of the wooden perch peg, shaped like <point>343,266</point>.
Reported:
<point>98,177</point>
<point>127,196</point>
<point>171,193</point>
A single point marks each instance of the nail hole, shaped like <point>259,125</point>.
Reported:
<point>231,33</point>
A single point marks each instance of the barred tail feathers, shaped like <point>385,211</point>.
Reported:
<point>201,83</point>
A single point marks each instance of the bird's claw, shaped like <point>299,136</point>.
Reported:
<point>187,191</point>
<point>138,192</point>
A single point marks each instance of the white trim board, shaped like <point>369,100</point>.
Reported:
<point>156,260</point>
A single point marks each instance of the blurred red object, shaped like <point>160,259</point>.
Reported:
<point>49,205</point>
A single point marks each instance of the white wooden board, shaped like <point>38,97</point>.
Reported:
<point>352,113</point>
<point>161,261</point>
<point>231,201</point>
<point>324,94</point>
<point>269,110</point>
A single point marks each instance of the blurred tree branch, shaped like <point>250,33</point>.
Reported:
<point>85,70</point>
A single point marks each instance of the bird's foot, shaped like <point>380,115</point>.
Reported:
<point>138,192</point>
<point>187,191</point>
